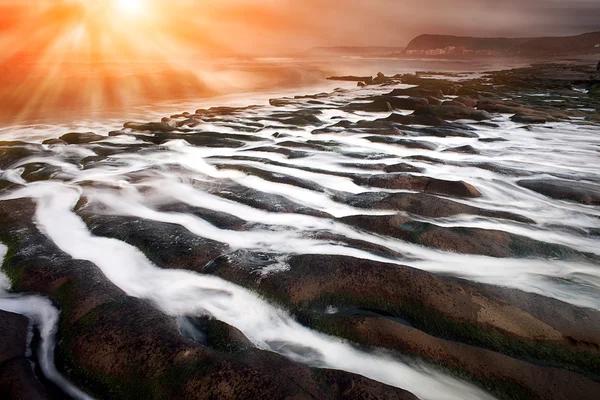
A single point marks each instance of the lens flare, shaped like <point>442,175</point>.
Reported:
<point>130,6</point>
<point>66,56</point>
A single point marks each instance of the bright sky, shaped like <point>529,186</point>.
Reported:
<point>267,26</point>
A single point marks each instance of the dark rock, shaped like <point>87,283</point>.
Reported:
<point>169,245</point>
<point>503,376</point>
<point>375,106</point>
<point>466,100</point>
<point>273,177</point>
<point>408,143</point>
<point>492,243</point>
<point>420,184</point>
<point>423,205</point>
<point>18,381</point>
<point>579,192</point>
<point>289,153</point>
<point>108,349</point>
<point>418,92</point>
<point>14,334</point>
<point>452,112</point>
<point>448,307</point>
<point>423,119</point>
<point>492,140</point>
<point>498,106</point>
<point>55,142</point>
<point>150,127</point>
<point>81,138</point>
<point>366,79</point>
<point>467,149</point>
<point>403,103</point>
<point>528,119</point>
<point>17,378</point>
<point>403,167</point>
<point>12,153</point>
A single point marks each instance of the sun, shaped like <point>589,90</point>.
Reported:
<point>130,6</point>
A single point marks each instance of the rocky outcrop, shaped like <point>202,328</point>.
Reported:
<point>579,192</point>
<point>108,350</point>
<point>516,324</point>
<point>485,242</point>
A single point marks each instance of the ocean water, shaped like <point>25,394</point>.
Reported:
<point>136,183</point>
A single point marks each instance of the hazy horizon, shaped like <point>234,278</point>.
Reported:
<point>277,27</point>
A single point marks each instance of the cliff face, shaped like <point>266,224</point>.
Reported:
<point>437,45</point>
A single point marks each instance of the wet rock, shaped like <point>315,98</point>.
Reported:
<point>281,102</point>
<point>414,119</point>
<point>14,332</point>
<point>420,184</point>
<point>466,101</point>
<point>150,127</point>
<point>214,334</point>
<point>403,167</point>
<point>289,153</point>
<point>35,172</point>
<point>408,143</point>
<point>55,142</point>
<point>366,79</point>
<point>312,146</point>
<point>528,119</point>
<point>498,106</point>
<point>445,307</point>
<point>445,131</point>
<point>492,243</point>
<point>452,112</point>
<point>492,140</point>
<point>273,176</point>
<point>467,149</point>
<point>418,92</point>
<point>18,381</point>
<point>297,118</point>
<point>404,103</point>
<point>261,200</point>
<point>17,378</point>
<point>200,139</point>
<point>117,346</point>
<point>13,152</point>
<point>579,192</point>
<point>375,106</point>
<point>503,376</point>
<point>81,138</point>
<point>425,205</point>
<point>169,245</point>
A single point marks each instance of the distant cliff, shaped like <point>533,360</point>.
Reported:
<point>445,45</point>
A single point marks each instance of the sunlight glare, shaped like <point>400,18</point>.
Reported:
<point>130,6</point>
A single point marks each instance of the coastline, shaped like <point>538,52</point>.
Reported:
<point>445,221</point>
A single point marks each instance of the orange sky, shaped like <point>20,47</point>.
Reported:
<point>283,26</point>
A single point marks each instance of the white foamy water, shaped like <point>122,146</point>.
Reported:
<point>136,183</point>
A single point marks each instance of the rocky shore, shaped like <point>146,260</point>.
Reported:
<point>430,221</point>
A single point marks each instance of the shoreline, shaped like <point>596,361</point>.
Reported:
<point>453,223</point>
